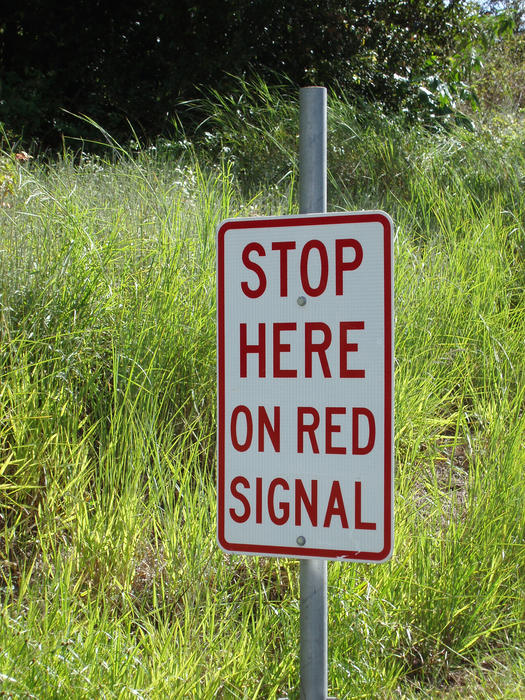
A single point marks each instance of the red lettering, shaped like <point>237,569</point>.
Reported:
<point>284,506</point>
<point>240,517</point>
<point>241,447</point>
<point>310,504</point>
<point>320,348</point>
<point>363,449</point>
<point>359,524</point>
<point>257,248</point>
<point>258,500</point>
<point>274,431</point>
<point>340,265</point>
<point>258,349</point>
<point>336,506</point>
<point>283,247</point>
<point>330,429</point>
<point>345,347</point>
<point>305,503</point>
<point>323,278</point>
<point>279,348</point>
<point>303,428</point>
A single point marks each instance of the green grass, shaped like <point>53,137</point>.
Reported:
<point>111,582</point>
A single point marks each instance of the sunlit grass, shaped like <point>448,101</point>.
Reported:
<point>112,584</point>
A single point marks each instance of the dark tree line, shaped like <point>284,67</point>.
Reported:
<point>134,60</point>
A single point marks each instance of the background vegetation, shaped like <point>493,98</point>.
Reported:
<point>112,584</point>
<point>138,62</point>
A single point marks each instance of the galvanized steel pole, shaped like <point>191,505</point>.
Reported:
<point>312,150</point>
<point>312,199</point>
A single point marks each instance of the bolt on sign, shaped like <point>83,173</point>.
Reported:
<point>305,386</point>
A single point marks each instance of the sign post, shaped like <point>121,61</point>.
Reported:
<point>304,358</point>
<point>313,573</point>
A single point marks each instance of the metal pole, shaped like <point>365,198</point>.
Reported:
<point>312,199</point>
<point>312,150</point>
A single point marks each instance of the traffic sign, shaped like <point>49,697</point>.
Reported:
<point>305,386</point>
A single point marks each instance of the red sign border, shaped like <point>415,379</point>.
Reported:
<point>309,220</point>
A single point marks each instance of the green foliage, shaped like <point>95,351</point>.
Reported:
<point>111,582</point>
<point>7,178</point>
<point>132,62</point>
<point>500,85</point>
<point>9,175</point>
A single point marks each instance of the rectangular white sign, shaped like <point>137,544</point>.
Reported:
<point>305,386</point>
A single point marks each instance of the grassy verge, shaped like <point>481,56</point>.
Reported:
<point>111,582</point>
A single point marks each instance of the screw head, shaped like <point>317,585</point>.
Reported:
<point>301,541</point>
<point>301,301</point>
